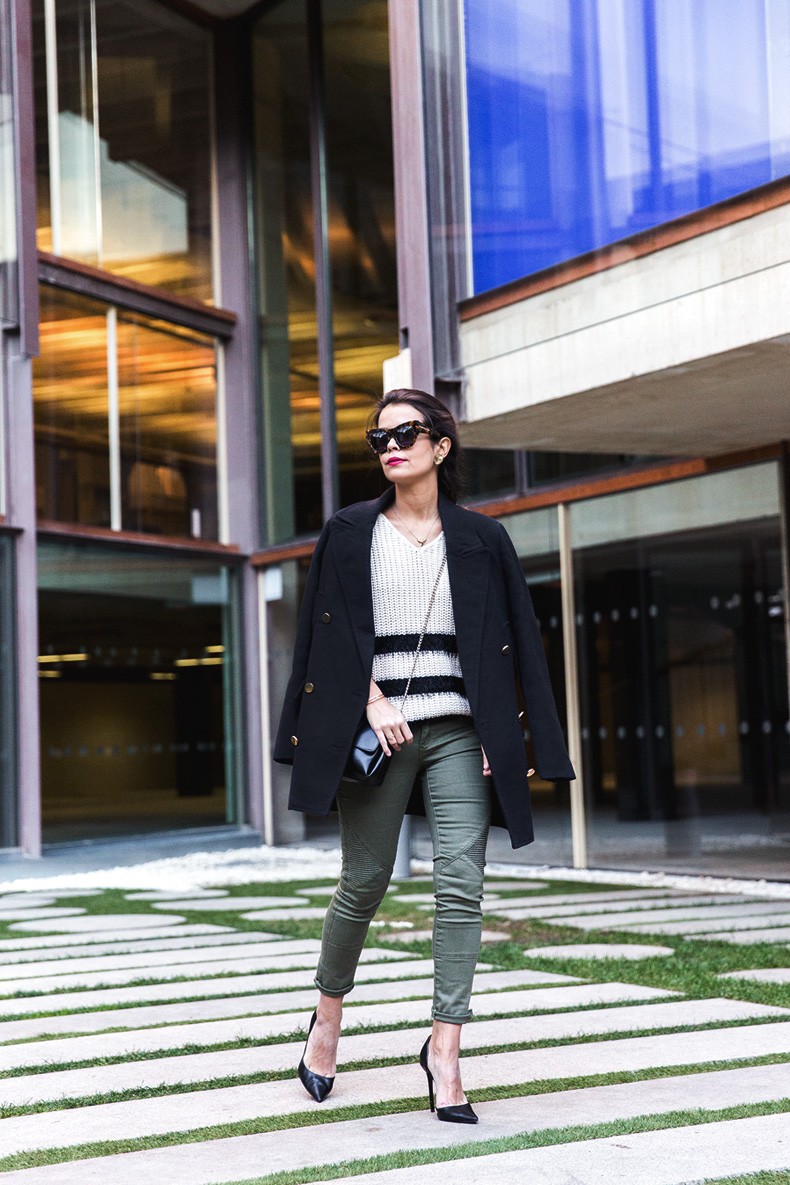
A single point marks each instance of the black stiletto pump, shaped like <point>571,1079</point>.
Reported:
<point>461,1112</point>
<point>317,1085</point>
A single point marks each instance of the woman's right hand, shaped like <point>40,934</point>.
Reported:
<point>390,725</point>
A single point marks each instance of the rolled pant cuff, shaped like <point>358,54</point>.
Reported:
<point>451,1020</point>
<point>335,993</point>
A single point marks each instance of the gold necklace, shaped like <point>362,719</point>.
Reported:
<point>421,542</point>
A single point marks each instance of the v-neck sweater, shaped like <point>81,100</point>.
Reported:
<point>402,576</point>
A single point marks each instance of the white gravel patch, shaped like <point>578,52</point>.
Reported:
<point>183,874</point>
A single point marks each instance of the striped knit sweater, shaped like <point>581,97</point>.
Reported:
<point>402,578</point>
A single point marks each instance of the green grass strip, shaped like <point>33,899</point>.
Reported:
<point>769,1177</point>
<point>315,1117</point>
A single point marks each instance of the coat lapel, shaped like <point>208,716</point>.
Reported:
<point>468,565</point>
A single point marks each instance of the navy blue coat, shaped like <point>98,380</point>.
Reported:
<point>498,642</point>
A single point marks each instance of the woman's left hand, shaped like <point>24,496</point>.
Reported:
<point>486,766</point>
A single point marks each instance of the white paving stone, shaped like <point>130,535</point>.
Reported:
<point>221,986</point>
<point>749,937</point>
<point>17,913</point>
<point>197,942</point>
<point>42,942</point>
<point>598,950</point>
<point>173,894</point>
<point>619,921</point>
<point>368,1047</point>
<point>763,975</point>
<point>500,886</point>
<point>241,1158</point>
<point>191,1110</point>
<point>639,909</point>
<point>304,913</point>
<point>100,923</point>
<point>193,1022</point>
<point>237,904</point>
<point>679,1156</point>
<point>26,900</point>
<point>705,925</point>
<point>292,956</point>
<point>71,972</point>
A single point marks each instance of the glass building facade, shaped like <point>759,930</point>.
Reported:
<point>229,226</point>
<point>589,122</point>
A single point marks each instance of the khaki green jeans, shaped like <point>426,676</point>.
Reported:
<point>446,756</point>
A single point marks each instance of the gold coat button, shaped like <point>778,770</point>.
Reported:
<point>294,741</point>
<point>506,649</point>
<point>309,688</point>
<point>326,618</point>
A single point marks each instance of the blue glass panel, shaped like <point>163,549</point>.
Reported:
<point>590,120</point>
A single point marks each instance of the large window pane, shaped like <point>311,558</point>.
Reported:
<point>286,272</point>
<point>360,240</point>
<point>680,613</point>
<point>361,225</point>
<point>124,145</point>
<point>125,419</point>
<point>138,692</point>
<point>168,424</point>
<point>71,411</point>
<point>594,120</point>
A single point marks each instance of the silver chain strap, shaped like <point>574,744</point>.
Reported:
<point>424,630</point>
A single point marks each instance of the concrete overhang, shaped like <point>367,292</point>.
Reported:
<point>684,350</point>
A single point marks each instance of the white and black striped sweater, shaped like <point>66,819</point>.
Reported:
<point>402,579</point>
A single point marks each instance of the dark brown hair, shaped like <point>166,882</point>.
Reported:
<point>441,423</point>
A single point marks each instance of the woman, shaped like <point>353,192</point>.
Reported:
<point>455,739</point>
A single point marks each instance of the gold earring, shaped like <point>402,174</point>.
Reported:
<point>438,460</point>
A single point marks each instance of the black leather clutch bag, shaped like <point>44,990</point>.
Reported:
<point>366,761</point>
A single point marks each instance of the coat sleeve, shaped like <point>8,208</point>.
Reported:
<point>551,751</point>
<point>283,749</point>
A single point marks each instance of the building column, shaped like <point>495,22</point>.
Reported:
<point>19,441</point>
<point>238,436</point>
<point>411,191</point>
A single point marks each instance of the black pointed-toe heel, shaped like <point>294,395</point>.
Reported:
<point>460,1113</point>
<point>317,1085</point>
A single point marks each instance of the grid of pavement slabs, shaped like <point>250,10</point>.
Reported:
<point>117,1031</point>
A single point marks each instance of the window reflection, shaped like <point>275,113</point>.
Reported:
<point>361,243</point>
<point>595,120</point>
<point>167,412</point>
<point>135,664</point>
<point>70,394</point>
<point>162,476</point>
<point>123,148</point>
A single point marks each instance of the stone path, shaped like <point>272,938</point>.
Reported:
<point>95,1033</point>
<point>179,1024</point>
<point>720,917</point>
